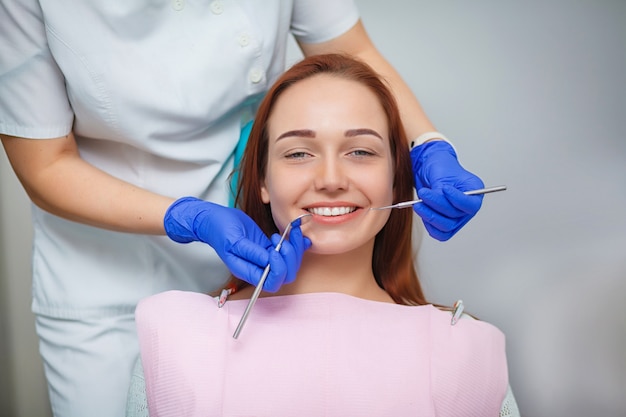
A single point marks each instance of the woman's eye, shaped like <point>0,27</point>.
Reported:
<point>296,155</point>
<point>361,153</point>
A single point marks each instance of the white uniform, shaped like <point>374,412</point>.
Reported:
<point>156,92</point>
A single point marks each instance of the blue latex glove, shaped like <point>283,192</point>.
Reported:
<point>237,239</point>
<point>440,182</point>
<point>291,252</point>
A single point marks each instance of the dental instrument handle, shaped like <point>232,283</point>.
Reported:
<point>266,271</point>
<point>259,288</point>
<point>255,296</point>
<point>472,192</point>
<point>486,190</point>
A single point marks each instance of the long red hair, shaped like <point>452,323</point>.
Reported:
<point>392,261</point>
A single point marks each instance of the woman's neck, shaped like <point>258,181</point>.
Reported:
<point>348,273</point>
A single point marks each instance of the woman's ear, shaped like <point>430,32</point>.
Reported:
<point>265,194</point>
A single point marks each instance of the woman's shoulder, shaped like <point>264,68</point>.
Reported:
<point>173,297</point>
<point>442,318</point>
<point>171,305</point>
<point>468,357</point>
<point>478,340</point>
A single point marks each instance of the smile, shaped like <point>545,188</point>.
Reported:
<point>331,211</point>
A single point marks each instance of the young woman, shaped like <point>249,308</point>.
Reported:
<point>353,334</point>
<point>112,110</point>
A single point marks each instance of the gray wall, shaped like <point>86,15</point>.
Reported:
<point>23,389</point>
<point>533,94</point>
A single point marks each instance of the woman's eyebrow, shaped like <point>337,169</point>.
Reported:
<point>303,133</point>
<point>362,131</point>
<point>307,133</point>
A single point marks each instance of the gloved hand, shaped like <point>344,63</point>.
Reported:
<point>440,182</point>
<point>237,239</point>
<point>291,253</point>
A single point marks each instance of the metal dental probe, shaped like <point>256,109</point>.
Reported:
<point>406,204</point>
<point>259,287</point>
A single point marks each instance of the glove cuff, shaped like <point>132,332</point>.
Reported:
<point>424,137</point>
<point>420,152</point>
<point>181,216</point>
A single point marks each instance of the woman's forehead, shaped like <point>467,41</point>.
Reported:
<point>324,99</point>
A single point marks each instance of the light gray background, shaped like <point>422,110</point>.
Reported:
<point>533,95</point>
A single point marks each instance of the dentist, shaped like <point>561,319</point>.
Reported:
<point>121,120</point>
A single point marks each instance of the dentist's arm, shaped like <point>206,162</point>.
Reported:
<point>60,182</point>
<point>440,180</point>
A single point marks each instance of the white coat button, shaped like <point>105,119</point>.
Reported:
<point>244,39</point>
<point>217,7</point>
<point>256,75</point>
<point>178,5</point>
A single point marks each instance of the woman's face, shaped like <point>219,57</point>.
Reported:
<point>329,155</point>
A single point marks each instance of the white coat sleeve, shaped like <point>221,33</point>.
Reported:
<point>33,99</point>
<point>322,20</point>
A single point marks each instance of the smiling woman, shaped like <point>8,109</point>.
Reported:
<point>328,136</point>
<point>327,141</point>
<point>337,169</point>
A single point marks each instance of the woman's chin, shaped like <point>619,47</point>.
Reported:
<point>334,247</point>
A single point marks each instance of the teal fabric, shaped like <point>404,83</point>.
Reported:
<point>241,146</point>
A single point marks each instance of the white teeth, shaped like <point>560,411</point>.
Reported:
<point>331,211</point>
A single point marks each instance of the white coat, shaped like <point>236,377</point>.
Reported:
<point>156,92</point>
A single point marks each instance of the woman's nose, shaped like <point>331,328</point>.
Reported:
<point>331,175</point>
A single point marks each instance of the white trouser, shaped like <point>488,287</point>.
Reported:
<point>88,363</point>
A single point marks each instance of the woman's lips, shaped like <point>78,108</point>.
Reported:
<point>332,211</point>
